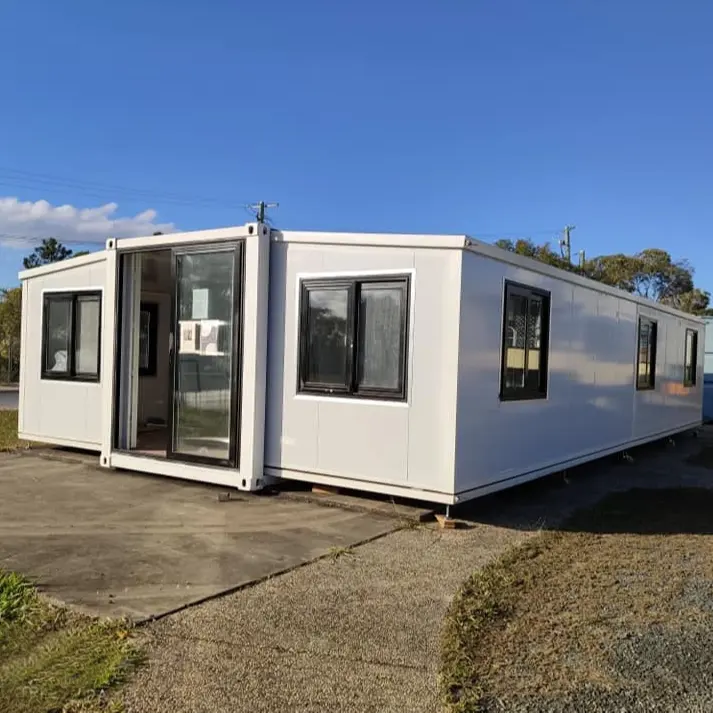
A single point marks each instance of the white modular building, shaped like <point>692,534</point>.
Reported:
<point>436,367</point>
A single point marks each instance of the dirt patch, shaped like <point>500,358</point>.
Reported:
<point>612,612</point>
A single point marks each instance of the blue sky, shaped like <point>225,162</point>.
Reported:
<point>496,118</point>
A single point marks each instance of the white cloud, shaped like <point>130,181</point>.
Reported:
<point>26,222</point>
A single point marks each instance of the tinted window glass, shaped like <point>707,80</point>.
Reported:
<point>87,340</point>
<point>515,334</point>
<point>58,334</point>
<point>691,358</point>
<point>646,362</point>
<point>380,336</point>
<point>327,326</point>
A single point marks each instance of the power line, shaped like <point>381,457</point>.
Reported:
<point>48,182</point>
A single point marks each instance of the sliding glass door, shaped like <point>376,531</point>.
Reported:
<point>205,354</point>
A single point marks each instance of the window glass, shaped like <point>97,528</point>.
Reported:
<point>646,362</point>
<point>327,327</point>
<point>516,331</point>
<point>534,340</point>
<point>87,339</point>
<point>57,335</point>
<point>353,337</point>
<point>524,343</point>
<point>380,336</point>
<point>691,358</point>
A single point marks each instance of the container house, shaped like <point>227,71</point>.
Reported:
<point>436,367</point>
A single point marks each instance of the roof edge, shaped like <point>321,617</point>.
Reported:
<point>527,263</point>
<point>60,265</point>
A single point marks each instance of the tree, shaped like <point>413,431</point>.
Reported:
<point>51,250</point>
<point>543,253</point>
<point>650,273</point>
<point>10,321</point>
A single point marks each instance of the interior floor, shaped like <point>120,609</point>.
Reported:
<point>152,441</point>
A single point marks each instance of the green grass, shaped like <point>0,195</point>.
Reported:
<point>551,620</point>
<point>52,659</point>
<point>8,432</point>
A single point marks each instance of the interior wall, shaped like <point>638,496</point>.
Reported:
<point>156,287</point>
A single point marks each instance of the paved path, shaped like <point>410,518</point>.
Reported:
<point>118,543</point>
<point>8,398</point>
<point>361,633</point>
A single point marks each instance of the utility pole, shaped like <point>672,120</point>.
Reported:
<point>566,243</point>
<point>260,209</point>
<point>582,258</point>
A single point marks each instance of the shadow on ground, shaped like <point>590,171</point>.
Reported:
<point>550,502</point>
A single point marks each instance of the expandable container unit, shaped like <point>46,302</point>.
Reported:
<point>435,367</point>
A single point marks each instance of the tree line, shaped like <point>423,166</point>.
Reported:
<point>651,273</point>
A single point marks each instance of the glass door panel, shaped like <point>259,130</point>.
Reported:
<point>205,355</point>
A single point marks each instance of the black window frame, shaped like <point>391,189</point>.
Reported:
<point>526,393</point>
<point>73,297</point>
<point>690,376</point>
<point>351,388</point>
<point>650,384</point>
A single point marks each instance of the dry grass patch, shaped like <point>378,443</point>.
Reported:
<point>575,619</point>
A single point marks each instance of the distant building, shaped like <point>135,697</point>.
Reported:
<point>708,375</point>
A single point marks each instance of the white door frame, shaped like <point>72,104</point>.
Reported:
<point>249,475</point>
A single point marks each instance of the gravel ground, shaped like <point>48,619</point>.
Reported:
<point>362,632</point>
<point>674,669</point>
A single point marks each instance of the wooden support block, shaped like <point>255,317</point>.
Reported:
<point>446,523</point>
<point>325,490</point>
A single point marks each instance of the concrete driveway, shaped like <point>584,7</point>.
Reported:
<point>127,544</point>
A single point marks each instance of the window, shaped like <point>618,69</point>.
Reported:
<point>646,359</point>
<point>525,343</point>
<point>71,329</point>
<point>353,337</point>
<point>690,359</point>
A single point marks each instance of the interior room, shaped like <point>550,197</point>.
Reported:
<point>153,369</point>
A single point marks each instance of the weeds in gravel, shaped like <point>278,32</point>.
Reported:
<point>565,616</point>
<point>336,552</point>
<point>54,660</point>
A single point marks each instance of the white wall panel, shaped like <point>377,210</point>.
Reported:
<point>408,443</point>
<point>67,412</point>
<point>592,404</point>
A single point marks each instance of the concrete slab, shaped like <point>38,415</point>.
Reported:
<point>125,544</point>
<point>400,509</point>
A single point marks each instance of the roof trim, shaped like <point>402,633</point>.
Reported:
<point>168,240</point>
<point>382,240</point>
<point>527,263</point>
<point>69,263</point>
